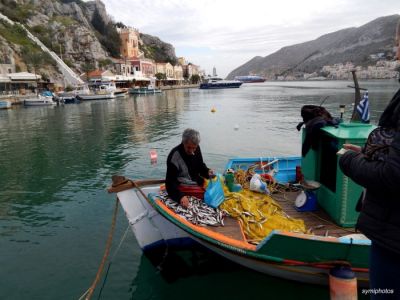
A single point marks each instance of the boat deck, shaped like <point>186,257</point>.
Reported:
<point>230,229</point>
<point>319,222</point>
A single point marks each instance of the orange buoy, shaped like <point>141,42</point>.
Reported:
<point>342,283</point>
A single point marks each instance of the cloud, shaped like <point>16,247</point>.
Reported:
<point>229,33</point>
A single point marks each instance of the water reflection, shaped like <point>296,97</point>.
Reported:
<point>201,274</point>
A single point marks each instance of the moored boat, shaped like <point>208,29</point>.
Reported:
<point>219,83</point>
<point>119,93</point>
<point>4,104</point>
<point>250,79</point>
<point>307,256</point>
<point>44,99</point>
<point>144,91</point>
<point>102,91</point>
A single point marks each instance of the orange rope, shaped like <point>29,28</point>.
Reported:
<point>106,252</point>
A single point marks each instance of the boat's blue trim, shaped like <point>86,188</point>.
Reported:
<point>286,165</point>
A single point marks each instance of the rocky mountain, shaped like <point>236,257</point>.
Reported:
<point>348,45</point>
<point>81,32</point>
<point>153,47</point>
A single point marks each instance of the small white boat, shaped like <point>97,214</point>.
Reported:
<point>150,89</point>
<point>4,104</point>
<point>119,93</point>
<point>78,90</point>
<point>40,100</point>
<point>104,91</point>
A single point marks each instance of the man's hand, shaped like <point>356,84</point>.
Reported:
<point>211,173</point>
<point>184,202</point>
<point>352,147</point>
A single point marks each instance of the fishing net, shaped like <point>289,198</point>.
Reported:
<point>259,214</point>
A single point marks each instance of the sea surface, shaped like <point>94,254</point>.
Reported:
<point>56,164</point>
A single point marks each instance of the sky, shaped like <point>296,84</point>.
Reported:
<point>228,33</point>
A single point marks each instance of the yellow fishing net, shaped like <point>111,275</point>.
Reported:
<point>259,214</point>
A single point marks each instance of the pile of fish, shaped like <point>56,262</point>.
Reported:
<point>197,212</point>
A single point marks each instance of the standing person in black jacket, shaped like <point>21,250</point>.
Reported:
<point>186,169</point>
<point>376,167</point>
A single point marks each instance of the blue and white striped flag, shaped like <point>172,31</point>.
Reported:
<point>363,108</point>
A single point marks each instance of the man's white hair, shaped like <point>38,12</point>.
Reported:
<point>191,135</point>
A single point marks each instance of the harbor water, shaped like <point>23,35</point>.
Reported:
<point>56,164</point>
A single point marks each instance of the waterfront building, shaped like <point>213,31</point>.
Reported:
<point>181,61</point>
<point>129,42</point>
<point>144,65</point>
<point>165,68</point>
<point>190,69</point>
<point>20,83</point>
<point>169,71</point>
<point>101,75</point>
<point>123,67</point>
<point>178,74</point>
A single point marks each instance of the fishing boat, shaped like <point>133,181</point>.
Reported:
<point>4,104</point>
<point>43,99</point>
<point>145,90</point>
<point>250,79</point>
<point>327,210</point>
<point>219,83</point>
<point>70,97</point>
<point>101,91</point>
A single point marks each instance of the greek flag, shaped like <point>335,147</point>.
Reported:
<point>363,108</point>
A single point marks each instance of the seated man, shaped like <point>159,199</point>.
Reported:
<point>185,168</point>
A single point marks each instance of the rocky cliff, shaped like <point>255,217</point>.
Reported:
<point>156,49</point>
<point>80,32</point>
<point>348,45</point>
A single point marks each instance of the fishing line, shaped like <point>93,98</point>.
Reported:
<point>111,260</point>
<point>323,100</point>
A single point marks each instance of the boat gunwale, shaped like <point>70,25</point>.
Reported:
<point>192,230</point>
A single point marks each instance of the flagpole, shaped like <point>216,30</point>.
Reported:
<point>355,117</point>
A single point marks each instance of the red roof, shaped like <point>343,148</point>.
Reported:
<point>96,73</point>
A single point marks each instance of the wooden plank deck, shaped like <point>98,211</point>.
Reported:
<point>318,221</point>
<point>230,229</point>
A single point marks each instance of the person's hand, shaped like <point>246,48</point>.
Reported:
<point>211,173</point>
<point>352,147</point>
<point>184,202</point>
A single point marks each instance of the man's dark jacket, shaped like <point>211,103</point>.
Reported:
<point>379,218</point>
<point>184,169</point>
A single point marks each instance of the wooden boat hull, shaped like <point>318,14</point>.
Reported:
<point>305,274</point>
<point>299,257</point>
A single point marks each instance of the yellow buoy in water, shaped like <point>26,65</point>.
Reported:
<point>213,110</point>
